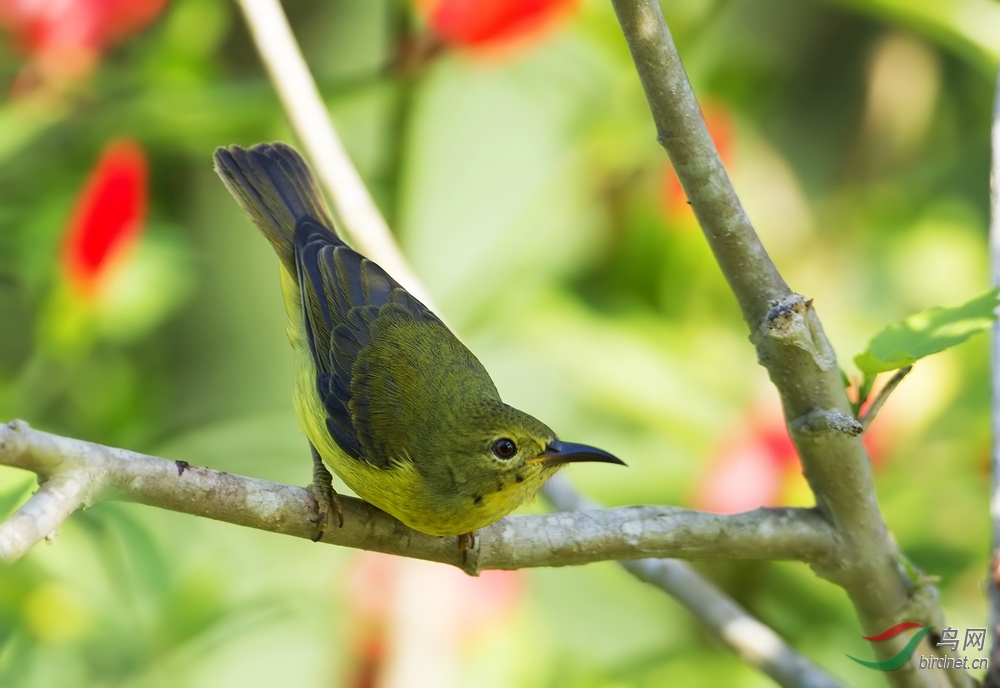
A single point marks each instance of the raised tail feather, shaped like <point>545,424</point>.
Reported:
<point>275,187</point>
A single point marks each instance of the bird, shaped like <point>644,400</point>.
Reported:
<point>388,397</point>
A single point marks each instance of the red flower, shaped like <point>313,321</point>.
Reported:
<point>389,597</point>
<point>108,217</point>
<point>759,466</point>
<point>475,23</point>
<point>750,471</point>
<point>65,38</point>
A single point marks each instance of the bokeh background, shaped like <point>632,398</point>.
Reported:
<point>510,148</point>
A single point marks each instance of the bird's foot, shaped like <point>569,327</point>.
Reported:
<point>325,497</point>
<point>327,503</point>
<point>466,541</point>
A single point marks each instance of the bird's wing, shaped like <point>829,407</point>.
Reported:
<point>343,295</point>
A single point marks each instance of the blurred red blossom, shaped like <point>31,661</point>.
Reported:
<point>479,23</point>
<point>108,217</point>
<point>413,619</point>
<point>758,465</point>
<point>720,126</point>
<point>66,38</point>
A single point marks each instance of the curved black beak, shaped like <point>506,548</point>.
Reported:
<point>559,452</point>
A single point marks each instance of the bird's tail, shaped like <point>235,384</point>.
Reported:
<point>275,187</point>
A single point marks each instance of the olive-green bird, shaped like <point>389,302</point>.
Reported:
<point>386,394</point>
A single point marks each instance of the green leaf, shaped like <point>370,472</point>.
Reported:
<point>928,332</point>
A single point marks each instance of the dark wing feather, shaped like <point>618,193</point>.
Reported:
<point>343,295</point>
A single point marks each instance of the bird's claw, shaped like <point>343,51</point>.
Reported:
<point>326,502</point>
<point>466,541</point>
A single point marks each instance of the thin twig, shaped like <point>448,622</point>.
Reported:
<point>75,472</point>
<point>883,395</point>
<point>352,204</point>
<point>993,575</point>
<point>43,513</point>
<point>753,642</point>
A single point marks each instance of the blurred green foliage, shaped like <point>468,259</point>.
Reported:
<point>526,186</point>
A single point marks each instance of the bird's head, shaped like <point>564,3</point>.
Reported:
<point>505,455</point>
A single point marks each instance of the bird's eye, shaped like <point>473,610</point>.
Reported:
<point>504,448</point>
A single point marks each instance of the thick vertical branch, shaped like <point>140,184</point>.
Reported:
<point>993,678</point>
<point>681,130</point>
<point>787,333</point>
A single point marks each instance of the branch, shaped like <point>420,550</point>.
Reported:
<point>883,395</point>
<point>787,333</point>
<point>753,642</point>
<point>74,472</point>
<point>43,513</point>
<point>352,204</point>
<point>993,576</point>
<point>681,131</point>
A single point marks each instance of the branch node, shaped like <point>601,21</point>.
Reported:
<point>18,425</point>
<point>791,321</point>
<point>821,421</point>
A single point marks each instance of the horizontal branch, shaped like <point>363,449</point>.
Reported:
<point>637,532</point>
<point>515,542</point>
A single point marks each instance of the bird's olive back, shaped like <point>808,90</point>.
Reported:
<point>430,401</point>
